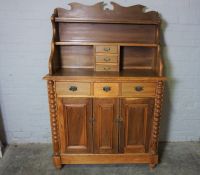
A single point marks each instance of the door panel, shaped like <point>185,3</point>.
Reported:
<point>75,125</point>
<point>105,125</point>
<point>136,126</point>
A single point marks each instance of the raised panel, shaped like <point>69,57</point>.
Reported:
<point>105,125</point>
<point>136,126</point>
<point>75,126</point>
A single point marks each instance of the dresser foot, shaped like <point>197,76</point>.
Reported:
<point>152,166</point>
<point>57,162</point>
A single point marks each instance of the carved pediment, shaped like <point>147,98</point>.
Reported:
<point>99,12</point>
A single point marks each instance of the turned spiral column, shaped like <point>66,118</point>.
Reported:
<point>156,117</point>
<point>54,122</point>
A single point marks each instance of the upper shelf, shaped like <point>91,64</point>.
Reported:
<point>104,21</point>
<point>62,43</point>
<point>99,14</point>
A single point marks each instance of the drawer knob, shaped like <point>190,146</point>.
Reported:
<point>106,59</point>
<point>139,88</point>
<point>73,88</point>
<point>106,88</point>
<point>107,49</point>
<point>106,68</point>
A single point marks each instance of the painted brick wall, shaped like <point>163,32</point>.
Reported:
<point>25,35</point>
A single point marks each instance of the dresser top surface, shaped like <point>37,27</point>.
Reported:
<point>81,74</point>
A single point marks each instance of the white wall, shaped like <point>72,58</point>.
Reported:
<point>25,35</point>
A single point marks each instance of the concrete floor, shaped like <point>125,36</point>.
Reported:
<point>35,159</point>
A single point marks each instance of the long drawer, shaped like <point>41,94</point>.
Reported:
<point>73,88</point>
<point>138,89</point>
<point>106,89</point>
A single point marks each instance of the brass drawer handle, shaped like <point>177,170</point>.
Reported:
<point>73,88</point>
<point>106,68</point>
<point>139,88</point>
<point>106,88</point>
<point>106,59</point>
<point>107,49</point>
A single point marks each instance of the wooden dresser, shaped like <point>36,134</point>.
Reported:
<point>105,85</point>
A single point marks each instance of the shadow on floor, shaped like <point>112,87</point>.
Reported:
<point>2,130</point>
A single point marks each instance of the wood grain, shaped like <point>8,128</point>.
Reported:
<point>100,92</point>
<point>136,115</point>
<point>75,126</point>
<point>138,57</point>
<point>77,56</point>
<point>130,89</point>
<point>108,158</point>
<point>106,112</point>
<point>118,14</point>
<point>86,32</point>
<point>54,59</point>
<point>87,43</point>
<point>91,75</point>
<point>63,88</point>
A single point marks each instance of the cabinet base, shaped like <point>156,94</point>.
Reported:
<point>108,159</point>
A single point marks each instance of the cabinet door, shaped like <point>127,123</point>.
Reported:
<point>75,125</point>
<point>105,125</point>
<point>136,125</point>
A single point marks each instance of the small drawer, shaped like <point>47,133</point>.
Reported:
<point>138,89</point>
<point>107,49</point>
<point>106,89</point>
<point>106,59</point>
<point>73,88</point>
<point>106,67</point>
